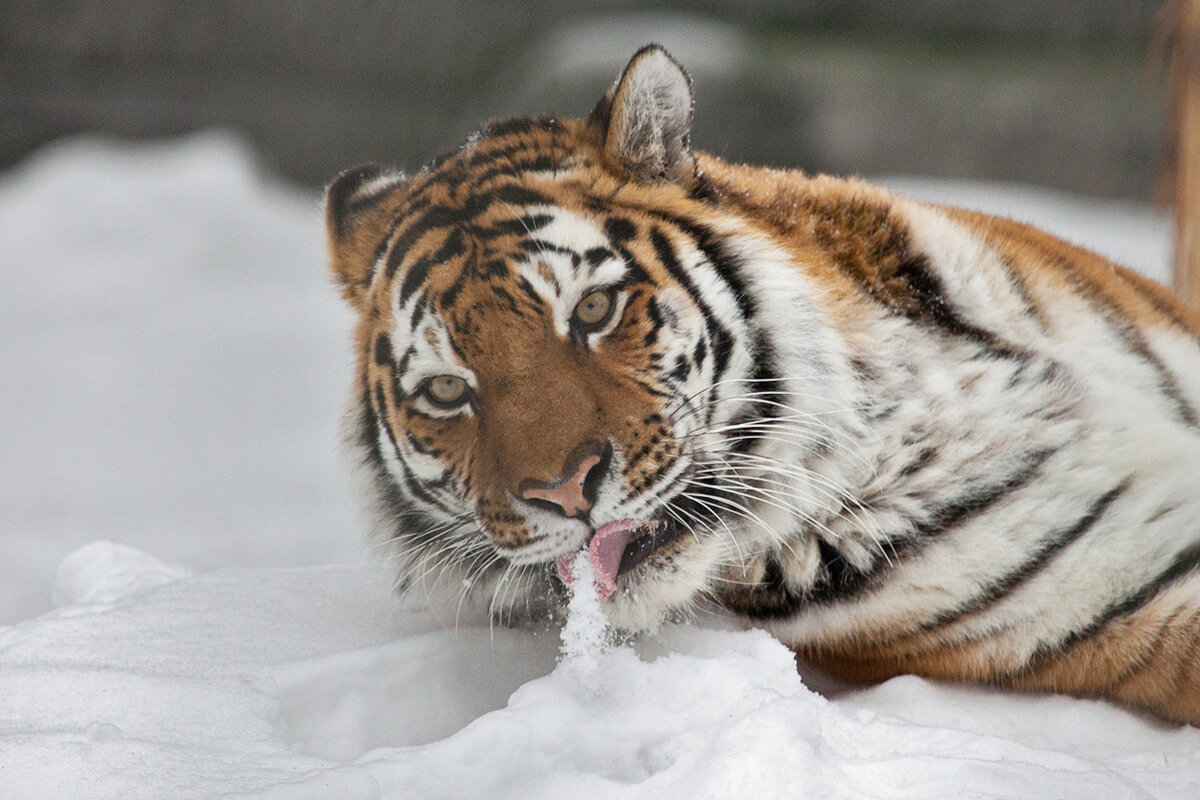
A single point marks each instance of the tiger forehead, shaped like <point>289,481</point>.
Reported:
<point>496,154</point>
<point>500,251</point>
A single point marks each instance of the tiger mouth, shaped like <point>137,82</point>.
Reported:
<point>619,547</point>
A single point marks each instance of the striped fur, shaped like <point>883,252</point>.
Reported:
<point>903,438</point>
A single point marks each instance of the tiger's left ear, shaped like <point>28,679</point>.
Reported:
<point>645,119</point>
<point>357,215</point>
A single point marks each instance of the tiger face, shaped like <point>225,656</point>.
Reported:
<point>550,362</point>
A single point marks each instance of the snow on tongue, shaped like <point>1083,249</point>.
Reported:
<point>604,553</point>
<point>584,634</point>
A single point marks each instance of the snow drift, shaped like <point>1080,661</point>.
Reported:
<point>316,683</point>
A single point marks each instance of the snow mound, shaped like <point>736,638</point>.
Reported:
<point>320,683</point>
<point>103,572</point>
<point>175,361</point>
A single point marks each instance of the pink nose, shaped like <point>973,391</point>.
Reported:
<point>569,494</point>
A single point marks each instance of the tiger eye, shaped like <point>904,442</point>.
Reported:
<point>447,390</point>
<point>594,309</point>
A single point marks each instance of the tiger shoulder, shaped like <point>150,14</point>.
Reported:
<point>903,438</point>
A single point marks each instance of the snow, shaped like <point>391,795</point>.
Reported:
<point>585,633</point>
<point>174,361</point>
<point>315,683</point>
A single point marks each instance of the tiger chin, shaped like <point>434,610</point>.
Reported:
<point>903,438</point>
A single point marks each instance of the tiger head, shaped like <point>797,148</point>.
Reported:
<point>556,352</point>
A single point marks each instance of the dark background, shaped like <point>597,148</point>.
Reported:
<point>1064,93</point>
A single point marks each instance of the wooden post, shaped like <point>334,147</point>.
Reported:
<point>1185,85</point>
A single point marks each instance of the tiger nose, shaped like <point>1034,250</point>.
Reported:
<point>573,495</point>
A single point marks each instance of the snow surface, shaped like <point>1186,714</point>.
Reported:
<point>174,362</point>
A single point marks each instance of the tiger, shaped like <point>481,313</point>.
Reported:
<point>901,437</point>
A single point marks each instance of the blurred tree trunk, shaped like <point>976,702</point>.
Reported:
<point>1185,81</point>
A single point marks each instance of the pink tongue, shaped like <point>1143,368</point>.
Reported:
<point>606,548</point>
<point>605,551</point>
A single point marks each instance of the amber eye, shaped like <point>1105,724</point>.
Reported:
<point>446,391</point>
<point>594,309</point>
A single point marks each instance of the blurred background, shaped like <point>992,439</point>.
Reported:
<point>173,358</point>
<point>1061,93</point>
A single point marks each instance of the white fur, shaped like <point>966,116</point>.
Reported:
<point>1119,426</point>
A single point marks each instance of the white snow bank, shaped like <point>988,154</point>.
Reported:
<point>103,572</point>
<point>174,363</point>
<point>316,683</point>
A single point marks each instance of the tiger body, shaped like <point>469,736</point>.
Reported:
<point>903,438</point>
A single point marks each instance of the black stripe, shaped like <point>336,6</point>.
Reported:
<point>528,289</point>
<point>418,314</point>
<point>383,350</point>
<point>656,322</point>
<point>510,302</point>
<point>597,256</point>
<point>634,272</point>
<point>1162,512</point>
<point>1021,289</point>
<point>765,380</point>
<point>723,340</point>
<point>922,460</point>
<point>408,212</point>
<point>380,409</point>
<point>727,265</point>
<point>541,163</point>
<point>415,276</point>
<point>766,391</point>
<point>338,196</point>
<point>411,522</point>
<point>1037,562</point>
<point>681,370</point>
<point>415,444</point>
<point>537,246</point>
<point>1167,384</point>
<point>649,388</point>
<point>495,268</point>
<point>518,196</point>
<point>1185,563</point>
<point>1161,305</point>
<point>409,481</point>
<point>619,230</point>
<point>841,581</point>
<point>1107,307</point>
<point>432,218</point>
<point>402,367</point>
<point>934,306</point>
<point>528,224</point>
<point>453,246</point>
<point>874,248</point>
<point>447,298</point>
<point>485,155</point>
<point>513,125</point>
<point>975,503</point>
<point>439,216</point>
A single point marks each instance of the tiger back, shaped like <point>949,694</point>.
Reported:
<point>903,438</point>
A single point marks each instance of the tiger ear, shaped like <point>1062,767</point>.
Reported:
<point>645,119</point>
<point>356,219</point>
